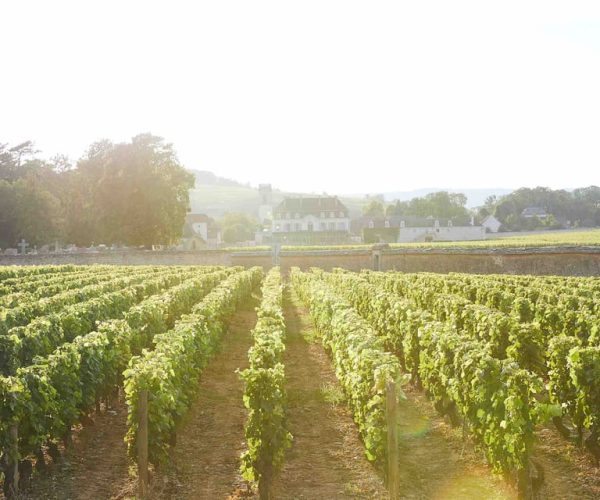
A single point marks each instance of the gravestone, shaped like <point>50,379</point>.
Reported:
<point>23,246</point>
<point>11,251</point>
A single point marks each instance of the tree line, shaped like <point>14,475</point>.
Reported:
<point>563,209</point>
<point>132,193</point>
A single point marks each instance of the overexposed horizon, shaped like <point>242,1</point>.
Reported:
<point>336,96</point>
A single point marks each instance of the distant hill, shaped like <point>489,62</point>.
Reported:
<point>206,178</point>
<point>215,196</point>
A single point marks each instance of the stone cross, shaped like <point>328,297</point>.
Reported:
<point>23,246</point>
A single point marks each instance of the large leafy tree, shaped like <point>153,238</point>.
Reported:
<point>440,205</point>
<point>374,209</point>
<point>238,227</point>
<point>28,210</point>
<point>133,193</point>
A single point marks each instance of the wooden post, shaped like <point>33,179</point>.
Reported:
<point>13,461</point>
<point>392,439</point>
<point>143,443</point>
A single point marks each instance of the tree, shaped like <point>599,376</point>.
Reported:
<point>28,210</point>
<point>238,227</point>
<point>17,161</point>
<point>374,209</point>
<point>133,193</point>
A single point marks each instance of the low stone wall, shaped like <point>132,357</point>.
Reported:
<point>535,261</point>
<point>566,261</point>
<point>208,258</point>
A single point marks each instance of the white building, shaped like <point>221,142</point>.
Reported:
<point>200,231</point>
<point>406,229</point>
<point>311,214</point>
<point>491,224</point>
<point>441,233</point>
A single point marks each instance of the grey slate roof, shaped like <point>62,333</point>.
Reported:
<point>311,206</point>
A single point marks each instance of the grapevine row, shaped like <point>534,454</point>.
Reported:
<point>45,399</point>
<point>44,334</point>
<point>266,432</point>
<point>168,371</point>
<point>362,364</point>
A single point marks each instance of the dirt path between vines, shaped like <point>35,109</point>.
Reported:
<point>205,462</point>
<point>327,458</point>
<point>436,462</point>
<point>95,466</point>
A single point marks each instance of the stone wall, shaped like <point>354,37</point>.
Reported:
<point>209,258</point>
<point>573,261</point>
<point>565,263</point>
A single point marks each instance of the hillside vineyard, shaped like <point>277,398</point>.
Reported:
<point>499,356</point>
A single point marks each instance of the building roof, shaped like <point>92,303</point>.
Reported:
<point>190,219</point>
<point>489,218</point>
<point>198,218</point>
<point>395,221</point>
<point>311,205</point>
<point>534,212</point>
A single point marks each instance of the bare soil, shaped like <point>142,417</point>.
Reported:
<point>569,472</point>
<point>205,462</point>
<point>94,466</point>
<point>437,462</point>
<point>326,460</point>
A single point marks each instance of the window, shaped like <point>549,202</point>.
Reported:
<point>309,226</point>
<point>323,226</point>
<point>298,226</point>
<point>332,226</point>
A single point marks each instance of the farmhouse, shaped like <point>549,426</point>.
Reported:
<point>491,224</point>
<point>311,220</point>
<point>200,231</point>
<point>531,212</point>
<point>405,229</point>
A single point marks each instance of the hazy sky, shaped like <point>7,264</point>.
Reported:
<point>341,96</point>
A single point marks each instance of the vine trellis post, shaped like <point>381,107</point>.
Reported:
<point>391,408</point>
<point>143,443</point>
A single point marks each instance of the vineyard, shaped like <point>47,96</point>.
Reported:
<point>217,382</point>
